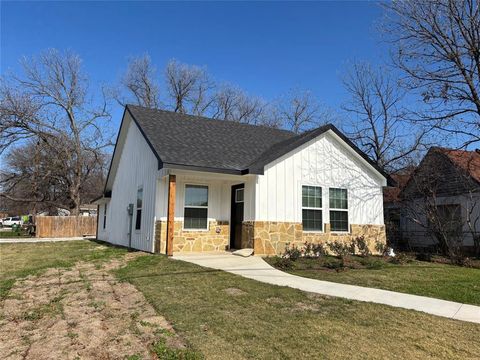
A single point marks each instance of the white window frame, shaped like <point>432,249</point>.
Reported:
<point>136,209</point>
<point>312,208</point>
<point>330,209</point>
<point>195,207</point>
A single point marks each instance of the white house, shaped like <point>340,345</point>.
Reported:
<point>186,183</point>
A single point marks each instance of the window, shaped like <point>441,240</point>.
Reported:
<point>196,207</point>
<point>239,195</point>
<point>312,208</point>
<point>338,210</point>
<point>105,216</point>
<point>138,219</point>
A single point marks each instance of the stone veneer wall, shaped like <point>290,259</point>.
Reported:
<point>216,238</point>
<point>271,238</point>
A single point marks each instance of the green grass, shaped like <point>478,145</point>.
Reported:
<point>21,260</point>
<point>441,281</point>
<point>269,322</point>
<point>13,234</point>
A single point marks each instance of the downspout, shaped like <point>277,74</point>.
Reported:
<point>130,215</point>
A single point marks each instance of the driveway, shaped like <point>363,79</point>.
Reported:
<point>256,268</point>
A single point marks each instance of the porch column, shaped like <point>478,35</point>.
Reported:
<point>171,213</point>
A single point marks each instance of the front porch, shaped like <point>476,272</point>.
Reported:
<point>202,211</point>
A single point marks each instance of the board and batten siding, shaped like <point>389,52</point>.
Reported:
<point>219,195</point>
<point>327,162</point>
<point>137,167</point>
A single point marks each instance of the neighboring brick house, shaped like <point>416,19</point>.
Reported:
<point>187,183</point>
<point>441,194</point>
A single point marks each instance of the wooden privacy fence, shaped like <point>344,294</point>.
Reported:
<point>65,226</point>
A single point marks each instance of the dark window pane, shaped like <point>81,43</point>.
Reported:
<point>139,198</point>
<point>239,195</point>
<point>312,220</point>
<point>195,218</point>
<point>196,195</point>
<point>105,216</point>
<point>338,220</point>
<point>312,196</point>
<point>338,198</point>
<point>138,220</point>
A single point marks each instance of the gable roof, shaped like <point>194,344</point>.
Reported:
<point>468,161</point>
<point>446,172</point>
<point>204,144</point>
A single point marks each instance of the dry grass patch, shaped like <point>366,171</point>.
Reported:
<point>84,312</point>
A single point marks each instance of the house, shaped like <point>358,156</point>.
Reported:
<point>440,198</point>
<point>392,207</point>
<point>181,183</point>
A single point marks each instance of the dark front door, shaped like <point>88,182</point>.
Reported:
<point>236,217</point>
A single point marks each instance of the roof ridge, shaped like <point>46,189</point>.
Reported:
<point>205,118</point>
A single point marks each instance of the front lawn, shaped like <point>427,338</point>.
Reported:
<point>229,317</point>
<point>20,260</point>
<point>443,281</point>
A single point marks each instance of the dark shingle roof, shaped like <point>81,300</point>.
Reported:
<point>180,140</point>
<point>197,141</point>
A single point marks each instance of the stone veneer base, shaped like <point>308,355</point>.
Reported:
<point>271,238</point>
<point>216,238</point>
<point>265,237</point>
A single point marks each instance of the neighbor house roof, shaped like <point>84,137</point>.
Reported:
<point>468,161</point>
<point>194,142</point>
<point>446,172</point>
<point>391,194</point>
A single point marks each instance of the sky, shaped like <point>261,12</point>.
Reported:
<point>266,48</point>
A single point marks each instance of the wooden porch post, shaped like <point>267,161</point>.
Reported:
<point>171,213</point>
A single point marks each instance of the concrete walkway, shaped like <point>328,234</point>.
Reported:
<point>38,240</point>
<point>256,268</point>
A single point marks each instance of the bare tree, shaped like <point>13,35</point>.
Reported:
<point>188,88</point>
<point>232,103</point>
<point>140,81</point>
<point>50,105</point>
<point>438,49</point>
<point>379,119</point>
<point>299,111</point>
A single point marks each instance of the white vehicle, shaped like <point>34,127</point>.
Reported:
<point>10,221</point>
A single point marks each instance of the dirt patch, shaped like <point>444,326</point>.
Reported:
<point>81,313</point>
<point>301,306</point>
<point>235,292</point>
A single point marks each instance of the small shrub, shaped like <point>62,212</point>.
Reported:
<point>291,252</point>
<point>462,261</point>
<point>311,250</point>
<point>341,249</point>
<point>380,247</point>
<point>362,245</point>
<point>400,259</point>
<point>283,263</point>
